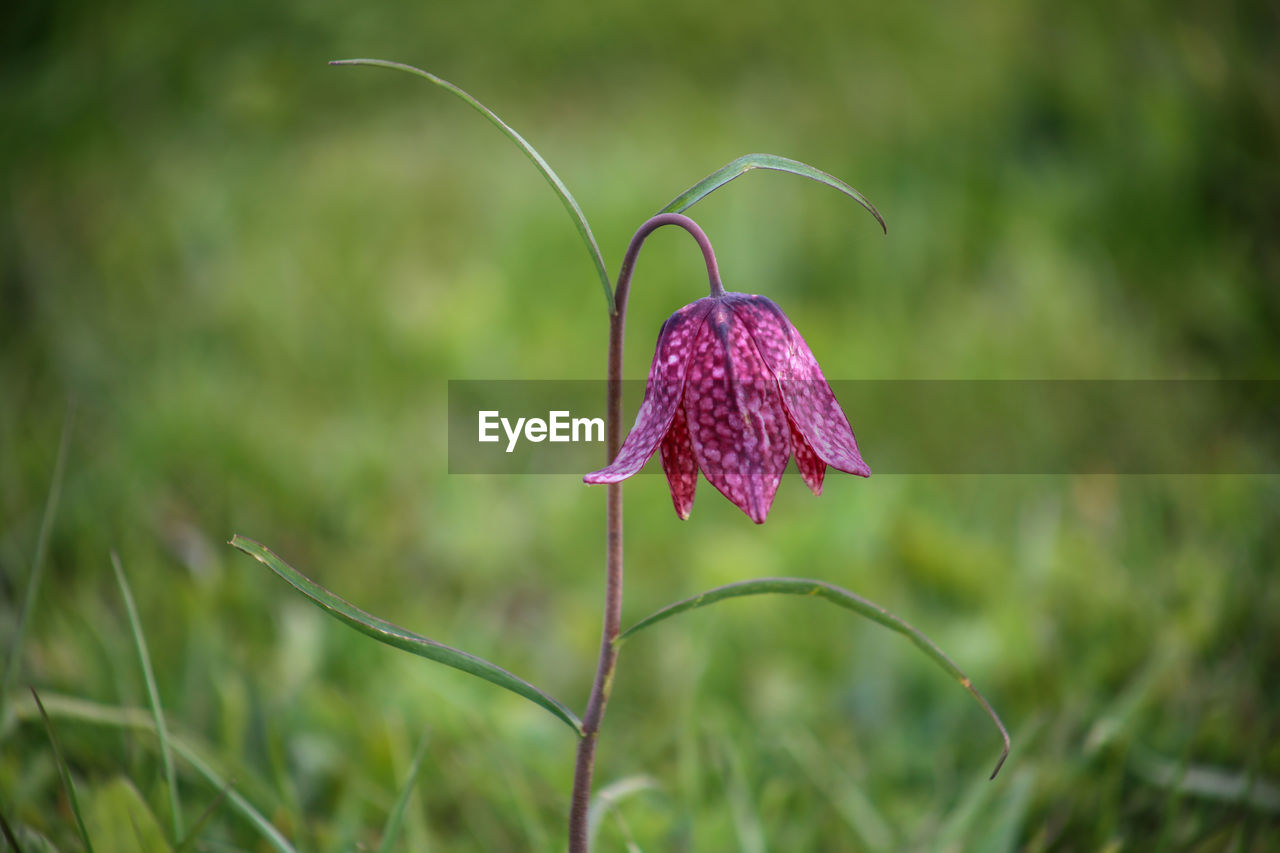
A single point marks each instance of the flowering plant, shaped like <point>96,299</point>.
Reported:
<point>733,392</point>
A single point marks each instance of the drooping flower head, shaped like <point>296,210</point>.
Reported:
<point>735,392</point>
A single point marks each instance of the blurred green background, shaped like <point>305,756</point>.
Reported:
<point>254,274</point>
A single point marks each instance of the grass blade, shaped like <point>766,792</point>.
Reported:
<point>566,197</point>
<point>392,829</point>
<point>838,596</point>
<point>64,771</point>
<point>850,801</point>
<point>401,638</point>
<point>153,696</point>
<point>746,163</point>
<point>746,816</point>
<point>37,561</point>
<point>265,827</point>
<point>189,843</point>
<point>95,713</point>
<point>610,796</point>
<point>120,819</point>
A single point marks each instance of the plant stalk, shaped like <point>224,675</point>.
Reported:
<point>601,687</point>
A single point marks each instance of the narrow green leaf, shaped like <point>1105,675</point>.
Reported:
<point>153,696</point>
<point>746,163</point>
<point>120,820</point>
<point>392,829</point>
<point>259,821</point>
<point>393,635</point>
<point>95,713</point>
<point>37,561</point>
<point>265,827</point>
<point>566,197</point>
<point>193,834</point>
<point>64,771</point>
<point>838,596</point>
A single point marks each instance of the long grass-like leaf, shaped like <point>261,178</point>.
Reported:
<point>64,771</point>
<point>566,197</point>
<point>265,827</point>
<point>153,696</point>
<point>37,561</point>
<point>392,829</point>
<point>836,595</point>
<point>193,835</point>
<point>95,713</point>
<point>401,638</point>
<point>746,163</point>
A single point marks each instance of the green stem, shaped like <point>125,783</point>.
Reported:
<point>583,769</point>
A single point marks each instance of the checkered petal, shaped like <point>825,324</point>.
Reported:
<point>812,469</point>
<point>661,393</point>
<point>679,464</point>
<point>737,425</point>
<point>814,410</point>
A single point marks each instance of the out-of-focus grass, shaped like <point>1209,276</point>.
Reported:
<point>256,273</point>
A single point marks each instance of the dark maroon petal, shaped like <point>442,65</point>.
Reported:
<point>738,428</point>
<point>812,469</point>
<point>678,462</point>
<point>814,410</point>
<point>661,393</point>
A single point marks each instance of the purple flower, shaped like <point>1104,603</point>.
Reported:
<point>734,392</point>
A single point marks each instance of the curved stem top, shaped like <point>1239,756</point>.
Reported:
<point>633,252</point>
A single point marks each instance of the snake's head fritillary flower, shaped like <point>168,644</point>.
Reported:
<point>735,392</point>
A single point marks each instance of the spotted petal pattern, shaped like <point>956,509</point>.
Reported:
<point>815,412</point>
<point>734,392</point>
<point>661,394</point>
<point>738,428</point>
<point>679,464</point>
<point>812,469</point>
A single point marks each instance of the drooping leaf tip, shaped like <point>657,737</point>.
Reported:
<point>1000,763</point>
